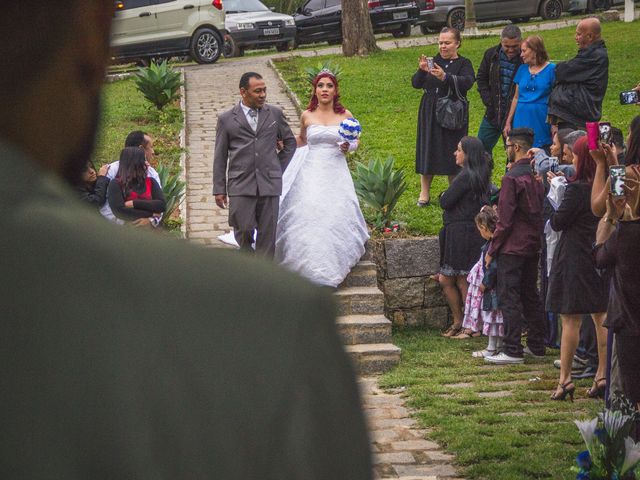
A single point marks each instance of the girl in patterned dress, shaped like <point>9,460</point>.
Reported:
<point>481,313</point>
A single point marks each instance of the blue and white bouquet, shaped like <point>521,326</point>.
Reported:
<point>350,130</point>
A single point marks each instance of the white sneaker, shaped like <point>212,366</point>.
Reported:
<point>484,353</point>
<point>527,351</point>
<point>504,359</point>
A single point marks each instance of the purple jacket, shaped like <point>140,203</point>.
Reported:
<point>519,229</point>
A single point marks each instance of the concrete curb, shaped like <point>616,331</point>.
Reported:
<point>183,154</point>
<point>287,89</point>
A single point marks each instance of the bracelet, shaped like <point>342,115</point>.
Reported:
<point>610,220</point>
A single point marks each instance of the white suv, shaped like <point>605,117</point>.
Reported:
<point>163,28</point>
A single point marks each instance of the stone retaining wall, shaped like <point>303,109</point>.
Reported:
<point>411,297</point>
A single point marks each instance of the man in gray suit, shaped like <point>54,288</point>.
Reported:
<point>113,365</point>
<point>246,138</point>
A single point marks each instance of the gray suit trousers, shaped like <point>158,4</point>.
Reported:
<point>247,213</point>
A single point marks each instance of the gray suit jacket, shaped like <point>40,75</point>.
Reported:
<point>205,365</point>
<point>255,168</point>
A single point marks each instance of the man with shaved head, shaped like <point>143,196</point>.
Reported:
<point>581,82</point>
<point>235,372</point>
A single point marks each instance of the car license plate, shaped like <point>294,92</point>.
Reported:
<point>271,31</point>
<point>400,15</point>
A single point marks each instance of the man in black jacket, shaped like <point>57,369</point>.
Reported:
<point>581,82</point>
<point>495,84</point>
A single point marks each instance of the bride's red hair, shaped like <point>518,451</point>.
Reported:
<point>313,103</point>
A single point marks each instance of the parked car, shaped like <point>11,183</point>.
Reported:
<point>164,28</point>
<point>321,20</point>
<point>592,5</point>
<point>251,24</point>
<point>440,13</point>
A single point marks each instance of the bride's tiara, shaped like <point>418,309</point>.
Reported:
<point>326,70</point>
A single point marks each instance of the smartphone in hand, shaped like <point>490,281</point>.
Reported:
<point>616,177</point>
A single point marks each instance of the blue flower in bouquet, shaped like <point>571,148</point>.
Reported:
<point>350,129</point>
<point>584,460</point>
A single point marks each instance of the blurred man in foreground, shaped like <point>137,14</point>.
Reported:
<point>114,365</point>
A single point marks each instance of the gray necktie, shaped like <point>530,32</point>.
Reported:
<point>253,119</point>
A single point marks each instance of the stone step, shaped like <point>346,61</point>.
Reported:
<point>362,275</point>
<point>355,329</point>
<point>374,358</point>
<point>360,301</point>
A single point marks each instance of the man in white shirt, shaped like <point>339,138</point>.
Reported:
<point>143,140</point>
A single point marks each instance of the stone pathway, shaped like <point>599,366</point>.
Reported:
<point>399,447</point>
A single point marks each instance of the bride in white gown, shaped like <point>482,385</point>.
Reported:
<point>321,231</point>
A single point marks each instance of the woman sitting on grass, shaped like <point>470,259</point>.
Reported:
<point>132,195</point>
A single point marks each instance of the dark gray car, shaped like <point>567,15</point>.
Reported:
<point>439,13</point>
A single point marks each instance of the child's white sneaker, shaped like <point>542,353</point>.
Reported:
<point>484,353</point>
<point>504,359</point>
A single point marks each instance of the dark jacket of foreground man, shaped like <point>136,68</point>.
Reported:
<point>129,356</point>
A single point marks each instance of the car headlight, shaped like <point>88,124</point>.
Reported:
<point>245,26</point>
<point>289,22</point>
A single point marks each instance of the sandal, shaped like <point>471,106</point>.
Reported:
<point>467,333</point>
<point>565,389</point>
<point>423,203</point>
<point>452,331</point>
<point>598,388</point>
<point>484,353</point>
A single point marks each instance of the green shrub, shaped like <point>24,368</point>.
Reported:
<point>159,83</point>
<point>379,187</point>
<point>173,188</point>
<point>334,68</point>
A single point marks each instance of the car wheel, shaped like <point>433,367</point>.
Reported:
<point>230,48</point>
<point>599,5</point>
<point>455,19</point>
<point>283,47</point>
<point>427,30</point>
<point>405,31</point>
<point>551,9</point>
<point>520,20</point>
<point>206,46</point>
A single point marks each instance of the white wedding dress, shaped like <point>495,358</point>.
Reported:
<point>321,231</point>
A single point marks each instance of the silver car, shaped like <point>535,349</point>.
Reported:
<point>251,24</point>
<point>439,13</point>
<point>592,5</point>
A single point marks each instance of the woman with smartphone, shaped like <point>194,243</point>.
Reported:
<point>534,81</point>
<point>575,286</point>
<point>440,77</point>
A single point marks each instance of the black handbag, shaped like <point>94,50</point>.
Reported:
<point>451,113</point>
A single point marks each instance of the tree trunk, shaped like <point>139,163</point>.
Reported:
<point>357,32</point>
<point>629,11</point>
<point>470,26</point>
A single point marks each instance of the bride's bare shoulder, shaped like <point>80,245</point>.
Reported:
<point>347,114</point>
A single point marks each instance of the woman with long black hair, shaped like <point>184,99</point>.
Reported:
<point>460,242</point>
<point>133,195</point>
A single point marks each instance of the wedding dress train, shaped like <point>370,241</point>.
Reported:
<point>321,230</point>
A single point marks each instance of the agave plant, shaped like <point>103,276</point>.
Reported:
<point>611,453</point>
<point>312,72</point>
<point>159,83</point>
<point>379,187</point>
<point>173,189</point>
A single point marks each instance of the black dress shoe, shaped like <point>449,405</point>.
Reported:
<point>588,372</point>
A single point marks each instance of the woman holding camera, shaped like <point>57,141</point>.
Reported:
<point>575,286</point>
<point>439,77</point>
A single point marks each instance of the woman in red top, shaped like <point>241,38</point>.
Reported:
<point>133,195</point>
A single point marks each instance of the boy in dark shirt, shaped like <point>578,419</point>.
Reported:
<point>517,239</point>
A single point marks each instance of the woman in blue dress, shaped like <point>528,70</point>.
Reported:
<point>534,81</point>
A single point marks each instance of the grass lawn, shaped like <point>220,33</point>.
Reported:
<point>378,91</point>
<point>523,435</point>
<point>125,110</point>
